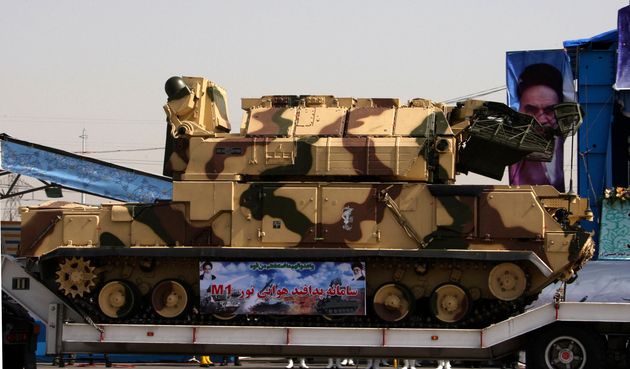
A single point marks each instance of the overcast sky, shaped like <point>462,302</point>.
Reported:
<point>69,65</point>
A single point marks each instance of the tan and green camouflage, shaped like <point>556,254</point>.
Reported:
<point>315,177</point>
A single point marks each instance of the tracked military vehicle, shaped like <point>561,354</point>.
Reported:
<point>348,203</point>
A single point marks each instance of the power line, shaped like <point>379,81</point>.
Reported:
<point>75,120</point>
<point>134,161</point>
<point>120,150</point>
<point>476,94</point>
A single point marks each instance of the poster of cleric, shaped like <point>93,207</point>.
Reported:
<point>282,288</point>
<point>536,82</point>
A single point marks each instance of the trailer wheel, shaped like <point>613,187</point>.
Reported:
<point>566,347</point>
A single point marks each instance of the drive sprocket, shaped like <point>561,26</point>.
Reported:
<point>76,276</point>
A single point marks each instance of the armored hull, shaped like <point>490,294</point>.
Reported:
<point>321,211</point>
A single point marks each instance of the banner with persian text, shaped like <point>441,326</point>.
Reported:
<point>282,288</point>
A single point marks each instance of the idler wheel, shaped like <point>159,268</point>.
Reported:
<point>118,299</point>
<point>507,281</point>
<point>392,302</point>
<point>76,276</point>
<point>449,303</point>
<point>169,299</point>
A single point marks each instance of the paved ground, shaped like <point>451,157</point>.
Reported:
<point>249,363</point>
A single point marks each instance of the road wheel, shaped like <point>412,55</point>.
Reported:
<point>392,302</point>
<point>118,299</point>
<point>169,299</point>
<point>507,281</point>
<point>450,303</point>
<point>566,347</point>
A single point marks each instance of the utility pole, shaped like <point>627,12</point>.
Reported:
<point>10,205</point>
<point>83,138</point>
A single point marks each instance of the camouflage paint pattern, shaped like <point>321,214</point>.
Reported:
<point>316,171</point>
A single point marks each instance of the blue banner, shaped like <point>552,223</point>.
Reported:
<point>282,288</point>
<point>623,50</point>
<point>82,174</point>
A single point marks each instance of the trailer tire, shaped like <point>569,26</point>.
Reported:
<point>14,360</point>
<point>566,346</point>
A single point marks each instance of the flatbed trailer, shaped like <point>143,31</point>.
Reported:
<point>555,335</point>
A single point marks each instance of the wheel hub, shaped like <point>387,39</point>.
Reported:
<point>449,303</point>
<point>172,300</point>
<point>507,281</point>
<point>116,299</point>
<point>565,356</point>
<point>392,302</point>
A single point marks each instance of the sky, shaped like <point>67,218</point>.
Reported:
<point>101,66</point>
